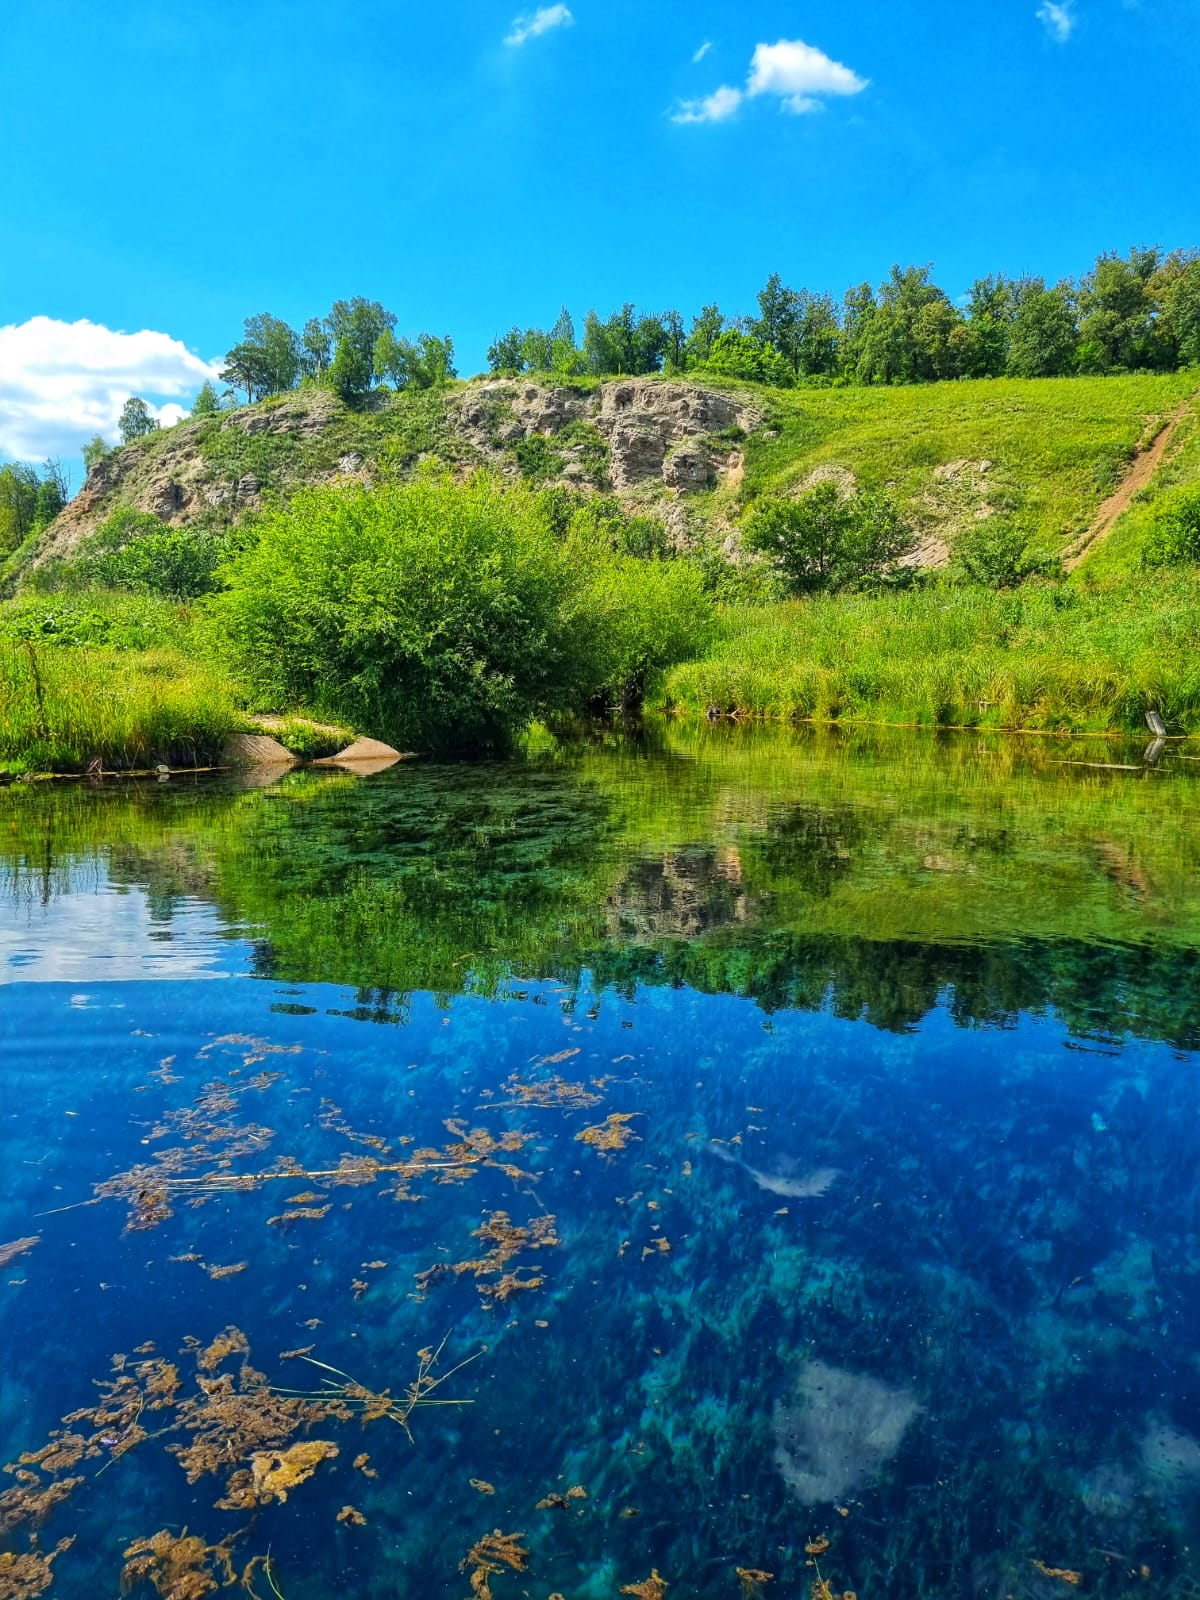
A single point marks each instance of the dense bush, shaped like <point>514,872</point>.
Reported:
<point>829,540</point>
<point>996,554</point>
<point>1173,537</point>
<point>134,550</point>
<point>438,613</point>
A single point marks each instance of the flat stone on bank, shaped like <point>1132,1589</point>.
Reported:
<point>365,756</point>
<point>256,750</point>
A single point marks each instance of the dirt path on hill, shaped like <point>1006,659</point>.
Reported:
<point>1146,464</point>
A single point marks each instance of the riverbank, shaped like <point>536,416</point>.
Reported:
<point>1047,657</point>
<point>132,687</point>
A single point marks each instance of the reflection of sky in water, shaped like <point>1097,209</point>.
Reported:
<point>932,1293</point>
<point>111,935</point>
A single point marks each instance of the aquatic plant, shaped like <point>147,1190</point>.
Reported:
<point>342,1397</point>
<point>491,1555</point>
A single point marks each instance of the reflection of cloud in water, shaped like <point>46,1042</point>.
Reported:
<point>837,1430</point>
<point>106,936</point>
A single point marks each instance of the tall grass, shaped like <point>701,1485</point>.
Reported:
<point>1052,657</point>
<point>63,706</point>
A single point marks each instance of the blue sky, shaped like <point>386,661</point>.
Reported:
<point>174,168</point>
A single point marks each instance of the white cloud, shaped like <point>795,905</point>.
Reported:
<point>716,107</point>
<point>61,382</point>
<point>1057,20</point>
<point>798,72</point>
<point>702,52</point>
<point>531,23</point>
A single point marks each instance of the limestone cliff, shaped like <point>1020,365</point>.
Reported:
<point>651,442</point>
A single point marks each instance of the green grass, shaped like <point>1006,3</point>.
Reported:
<point>1056,446</point>
<point>62,707</point>
<point>1118,558</point>
<point>1051,657</point>
<point>126,679</point>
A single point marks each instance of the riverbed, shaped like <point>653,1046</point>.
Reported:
<point>713,1163</point>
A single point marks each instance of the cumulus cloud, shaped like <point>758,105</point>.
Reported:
<point>702,52</point>
<point>531,23</point>
<point>61,382</point>
<point>1057,20</point>
<point>715,107</point>
<point>798,74</point>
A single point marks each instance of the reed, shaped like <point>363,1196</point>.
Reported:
<point>1047,657</point>
<point>64,708</point>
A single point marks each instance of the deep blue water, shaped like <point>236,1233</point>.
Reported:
<point>924,1286</point>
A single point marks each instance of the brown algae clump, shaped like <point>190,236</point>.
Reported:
<point>652,1588</point>
<point>272,1474</point>
<point>26,1576</point>
<point>611,1134</point>
<point>491,1555</point>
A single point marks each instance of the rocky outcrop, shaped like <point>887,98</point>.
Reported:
<point>656,442</point>
<point>681,436</point>
<point>670,430</point>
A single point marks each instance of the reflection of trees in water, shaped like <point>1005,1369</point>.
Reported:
<point>864,896</point>
<point>809,847</point>
<point>1100,991</point>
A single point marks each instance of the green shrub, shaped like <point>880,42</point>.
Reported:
<point>827,540</point>
<point>633,619</point>
<point>995,553</point>
<point>134,550</point>
<point>604,522</point>
<point>537,458</point>
<point>1173,536</point>
<point>440,613</point>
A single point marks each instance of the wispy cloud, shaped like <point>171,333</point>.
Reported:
<point>61,382</point>
<point>798,74</point>
<point>1058,20</point>
<point>531,23</point>
<point>702,52</point>
<point>716,107</point>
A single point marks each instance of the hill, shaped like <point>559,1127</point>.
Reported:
<point>1042,455</point>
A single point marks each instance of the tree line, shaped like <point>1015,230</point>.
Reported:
<point>30,499</point>
<point>1134,312</point>
<point>1128,313</point>
<point>349,350</point>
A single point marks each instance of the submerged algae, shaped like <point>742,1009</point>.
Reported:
<point>1006,1241</point>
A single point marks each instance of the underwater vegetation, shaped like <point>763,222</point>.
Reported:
<point>679,1212</point>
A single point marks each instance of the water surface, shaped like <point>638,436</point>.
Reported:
<point>796,1139</point>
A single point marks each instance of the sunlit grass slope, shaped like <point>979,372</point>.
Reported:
<point>1056,447</point>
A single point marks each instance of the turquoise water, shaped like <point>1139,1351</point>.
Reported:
<point>788,1147</point>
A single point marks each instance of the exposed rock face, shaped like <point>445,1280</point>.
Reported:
<point>655,432</point>
<point>493,415</point>
<point>666,430</point>
<point>651,440</point>
<point>304,416</point>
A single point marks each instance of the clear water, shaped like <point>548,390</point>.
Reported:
<point>894,1042</point>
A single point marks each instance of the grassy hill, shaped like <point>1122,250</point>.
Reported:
<point>1042,454</point>
<point>1043,451</point>
<point>131,677</point>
